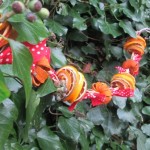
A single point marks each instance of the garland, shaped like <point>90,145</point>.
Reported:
<point>71,84</point>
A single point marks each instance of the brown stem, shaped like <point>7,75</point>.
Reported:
<point>6,16</point>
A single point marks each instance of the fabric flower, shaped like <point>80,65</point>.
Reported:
<point>103,89</point>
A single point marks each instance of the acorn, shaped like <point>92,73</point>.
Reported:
<point>18,7</point>
<point>35,5</point>
<point>43,13</point>
<point>31,17</point>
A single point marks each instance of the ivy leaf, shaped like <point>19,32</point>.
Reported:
<point>145,128</point>
<point>77,36</point>
<point>48,140</point>
<point>97,115</point>
<point>32,32</point>
<point>117,52</point>
<point>137,96</point>
<point>127,27</point>
<point>106,27</point>
<point>120,101</point>
<point>22,61</point>
<point>69,127</point>
<point>46,88</point>
<point>78,21</point>
<point>56,27</point>
<point>89,49</point>
<point>8,114</point>
<point>127,116</point>
<point>4,91</point>
<point>58,58</point>
<point>146,110</point>
<point>65,111</point>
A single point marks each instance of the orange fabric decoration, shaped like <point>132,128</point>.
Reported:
<point>103,89</point>
<point>40,72</point>
<point>135,45</point>
<point>132,65</point>
<point>7,31</point>
<point>75,83</point>
<point>123,81</point>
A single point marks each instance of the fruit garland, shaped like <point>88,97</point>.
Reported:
<point>71,84</point>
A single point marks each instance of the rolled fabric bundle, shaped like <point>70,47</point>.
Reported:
<point>135,45</point>
<point>132,65</point>
<point>123,84</point>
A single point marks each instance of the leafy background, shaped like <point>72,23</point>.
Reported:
<point>89,34</point>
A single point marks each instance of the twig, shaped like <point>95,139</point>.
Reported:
<point>6,16</point>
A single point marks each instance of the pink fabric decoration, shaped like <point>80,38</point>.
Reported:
<point>123,92</point>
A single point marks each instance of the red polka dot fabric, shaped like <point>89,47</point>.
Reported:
<point>38,51</point>
<point>123,92</point>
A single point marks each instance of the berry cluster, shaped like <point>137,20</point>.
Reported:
<point>31,9</point>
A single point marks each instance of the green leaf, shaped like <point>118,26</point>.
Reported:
<point>48,140</point>
<point>127,27</point>
<point>84,141</point>
<point>56,27</point>
<point>146,110</point>
<point>137,96</point>
<point>22,61</point>
<point>89,49</point>
<point>77,36</point>
<point>4,5</point>
<point>117,51</point>
<point>78,21</point>
<point>62,9</point>
<point>120,101</point>
<point>127,116</point>
<point>46,88</point>
<point>65,111</point>
<point>31,108</point>
<point>69,127</point>
<point>32,32</point>
<point>145,128</point>
<point>147,144</point>
<point>4,91</point>
<point>8,114</point>
<point>97,115</point>
<point>106,27</point>
<point>58,58</point>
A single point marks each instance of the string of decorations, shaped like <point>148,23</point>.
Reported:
<point>71,83</point>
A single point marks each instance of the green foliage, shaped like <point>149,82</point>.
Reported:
<point>79,33</point>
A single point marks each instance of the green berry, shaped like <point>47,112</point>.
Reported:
<point>44,13</point>
<point>35,5</point>
<point>18,7</point>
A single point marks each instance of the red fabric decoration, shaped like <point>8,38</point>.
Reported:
<point>123,92</point>
<point>38,51</point>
